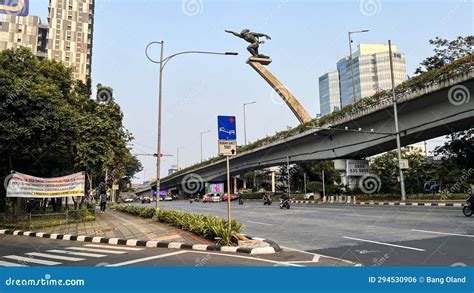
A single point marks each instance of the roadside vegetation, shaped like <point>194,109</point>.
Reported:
<point>209,227</point>
<point>51,125</point>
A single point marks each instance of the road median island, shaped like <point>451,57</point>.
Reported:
<point>206,226</point>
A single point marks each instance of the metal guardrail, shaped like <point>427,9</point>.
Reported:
<point>36,220</point>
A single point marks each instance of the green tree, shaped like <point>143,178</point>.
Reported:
<point>420,170</point>
<point>50,127</point>
<point>446,52</point>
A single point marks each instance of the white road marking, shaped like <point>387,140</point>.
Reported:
<point>114,247</point>
<point>54,256</point>
<point>260,223</point>
<point>32,260</point>
<point>317,256</point>
<point>245,257</point>
<point>383,243</point>
<point>145,259</point>
<point>10,264</point>
<point>96,250</point>
<point>76,253</point>
<point>443,233</point>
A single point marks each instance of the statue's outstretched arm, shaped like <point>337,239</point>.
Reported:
<point>262,35</point>
<point>234,33</point>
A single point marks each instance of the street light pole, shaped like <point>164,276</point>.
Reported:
<point>203,132</point>
<point>352,65</point>
<point>395,113</point>
<point>162,64</point>
<point>177,157</point>
<point>245,123</point>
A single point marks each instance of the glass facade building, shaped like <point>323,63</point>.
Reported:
<point>329,94</point>
<point>371,66</point>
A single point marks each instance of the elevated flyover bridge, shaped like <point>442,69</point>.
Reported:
<point>432,111</point>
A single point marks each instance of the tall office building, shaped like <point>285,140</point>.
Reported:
<point>329,94</point>
<point>371,66</point>
<point>26,31</point>
<point>70,34</point>
<point>67,37</point>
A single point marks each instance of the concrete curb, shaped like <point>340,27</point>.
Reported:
<point>272,248</point>
<point>420,204</point>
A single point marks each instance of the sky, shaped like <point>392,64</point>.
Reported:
<point>308,38</point>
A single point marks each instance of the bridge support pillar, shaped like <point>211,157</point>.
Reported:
<point>273,181</point>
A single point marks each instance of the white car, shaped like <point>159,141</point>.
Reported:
<point>309,196</point>
<point>128,200</point>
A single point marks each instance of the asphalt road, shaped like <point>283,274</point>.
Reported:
<point>370,235</point>
<point>21,251</point>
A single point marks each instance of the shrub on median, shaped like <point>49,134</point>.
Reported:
<point>209,227</point>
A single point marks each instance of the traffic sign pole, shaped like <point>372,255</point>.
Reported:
<point>228,195</point>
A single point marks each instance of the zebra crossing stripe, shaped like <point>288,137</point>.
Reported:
<point>54,256</point>
<point>10,264</point>
<point>76,253</point>
<point>96,250</point>
<point>32,260</point>
<point>113,247</point>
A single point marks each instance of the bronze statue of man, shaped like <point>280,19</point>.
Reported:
<point>253,39</point>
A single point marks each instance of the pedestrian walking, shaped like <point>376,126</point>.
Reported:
<point>103,202</point>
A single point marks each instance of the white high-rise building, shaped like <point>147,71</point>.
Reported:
<point>23,31</point>
<point>71,25</point>
<point>371,66</point>
<point>66,38</point>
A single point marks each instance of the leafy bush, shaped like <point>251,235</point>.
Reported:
<point>209,227</point>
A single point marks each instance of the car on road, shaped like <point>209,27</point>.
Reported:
<point>309,196</point>
<point>128,200</point>
<point>211,198</point>
<point>232,197</point>
<point>146,199</point>
<point>168,198</point>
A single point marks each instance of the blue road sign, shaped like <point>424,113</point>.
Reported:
<point>14,7</point>
<point>226,128</point>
